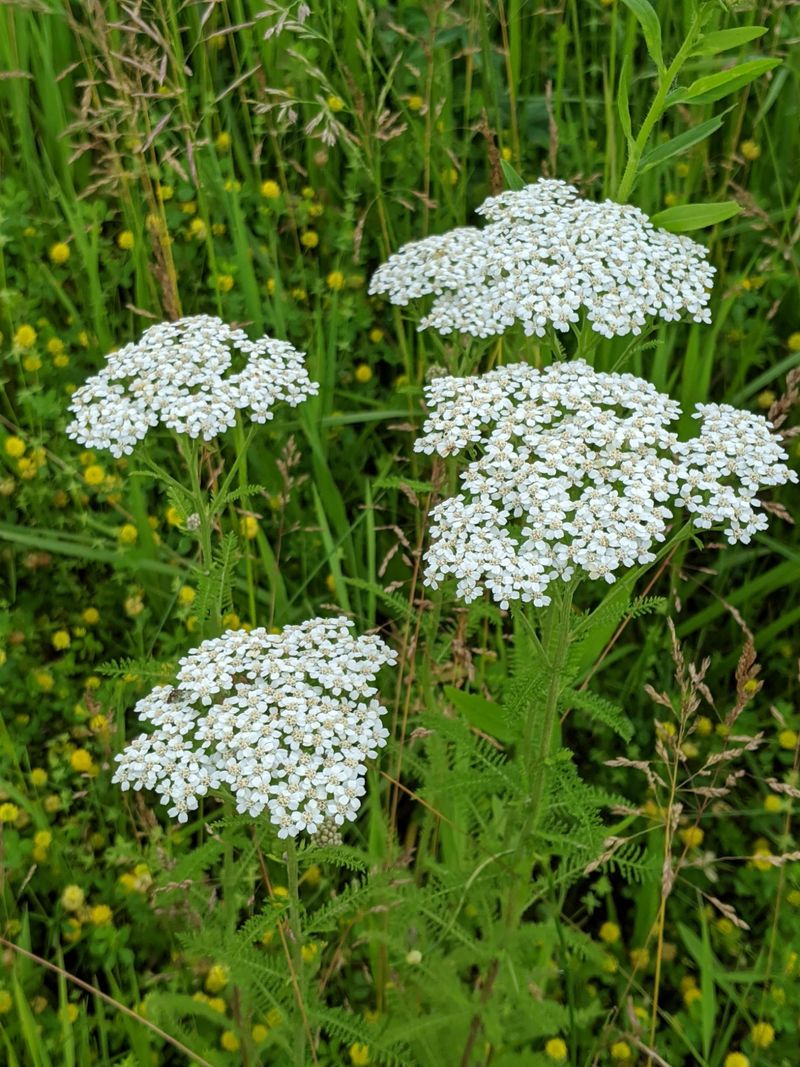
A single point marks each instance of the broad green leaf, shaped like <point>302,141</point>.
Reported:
<point>481,713</point>
<point>677,145</point>
<point>623,105</point>
<point>651,28</point>
<point>514,181</point>
<point>687,217</point>
<point>723,40</point>
<point>714,86</point>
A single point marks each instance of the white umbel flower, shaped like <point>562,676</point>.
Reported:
<point>545,257</point>
<point>285,722</point>
<point>723,468</point>
<point>192,376</point>
<point>578,473</point>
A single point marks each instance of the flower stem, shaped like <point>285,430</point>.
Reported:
<point>295,935</point>
<point>656,110</point>
<point>541,720</point>
<point>539,730</point>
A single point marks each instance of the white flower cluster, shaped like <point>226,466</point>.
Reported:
<point>578,471</point>
<point>176,374</point>
<point>284,721</point>
<point>722,469</point>
<point>546,254</point>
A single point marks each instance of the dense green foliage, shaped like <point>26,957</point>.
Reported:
<point>159,159</point>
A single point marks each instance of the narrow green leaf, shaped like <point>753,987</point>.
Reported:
<point>623,103</point>
<point>714,86</point>
<point>651,28</point>
<point>687,217</point>
<point>723,40</point>
<point>481,713</point>
<point>514,181</point>
<point>675,146</point>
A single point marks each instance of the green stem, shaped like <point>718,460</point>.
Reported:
<point>241,449</point>
<point>537,742</point>
<point>542,720</point>
<point>657,109</point>
<point>193,462</point>
<point>295,934</point>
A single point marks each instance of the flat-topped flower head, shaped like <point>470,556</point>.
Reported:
<point>574,472</point>
<point>191,376</point>
<point>285,722</point>
<point>545,258</point>
<point>724,467</point>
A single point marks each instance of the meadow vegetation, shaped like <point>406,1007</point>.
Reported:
<point>573,839</point>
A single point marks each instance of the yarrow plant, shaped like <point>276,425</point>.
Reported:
<point>579,474</point>
<point>285,722</point>
<point>177,375</point>
<point>545,256</point>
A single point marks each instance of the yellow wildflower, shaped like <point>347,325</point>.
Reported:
<point>125,240</point>
<point>736,1059</point>
<point>101,915</point>
<point>335,280</point>
<point>359,1054</point>
<point>59,253</point>
<point>609,932</point>
<point>14,447</point>
<point>73,898</point>
<point>270,190</point>
<point>556,1049</point>
<point>128,534</point>
<point>309,239</point>
<point>61,640</point>
<point>787,739</point>
<point>363,373</point>
<point>81,761</point>
<point>229,1041</point>
<point>309,952</point>
<point>249,527</point>
<point>692,836</point>
<point>762,1035</point>
<point>25,337</point>
<point>217,978</point>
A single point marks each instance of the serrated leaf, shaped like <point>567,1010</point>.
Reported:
<point>651,28</point>
<point>686,217</point>
<point>723,40</point>
<point>482,714</point>
<point>714,86</point>
<point>514,181</point>
<point>601,709</point>
<point>675,146</point>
